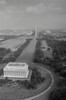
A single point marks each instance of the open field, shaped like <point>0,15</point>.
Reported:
<point>47,53</point>
<point>12,43</point>
<point>13,92</point>
<point>7,37</point>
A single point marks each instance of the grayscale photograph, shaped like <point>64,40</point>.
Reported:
<point>32,49</point>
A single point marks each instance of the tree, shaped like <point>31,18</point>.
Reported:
<point>47,61</point>
<point>63,73</point>
<point>39,56</point>
<point>11,58</point>
<point>58,94</point>
<point>1,71</point>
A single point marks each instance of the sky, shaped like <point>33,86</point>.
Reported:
<point>26,14</point>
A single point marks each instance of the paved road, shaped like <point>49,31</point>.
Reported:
<point>27,56</point>
<point>37,97</point>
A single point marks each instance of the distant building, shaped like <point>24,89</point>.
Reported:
<point>44,33</point>
<point>16,70</point>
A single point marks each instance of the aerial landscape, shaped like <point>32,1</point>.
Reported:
<point>32,50</point>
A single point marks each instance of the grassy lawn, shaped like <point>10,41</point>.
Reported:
<point>14,92</point>
<point>12,43</point>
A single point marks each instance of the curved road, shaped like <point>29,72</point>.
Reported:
<point>27,56</point>
<point>45,91</point>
